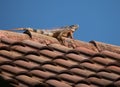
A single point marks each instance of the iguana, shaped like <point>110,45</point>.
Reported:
<point>59,33</point>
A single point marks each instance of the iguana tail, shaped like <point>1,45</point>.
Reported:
<point>23,29</point>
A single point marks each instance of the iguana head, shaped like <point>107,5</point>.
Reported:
<point>74,27</point>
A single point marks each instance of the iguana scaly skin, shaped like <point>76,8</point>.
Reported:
<point>58,33</point>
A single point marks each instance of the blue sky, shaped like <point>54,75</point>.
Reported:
<point>98,19</point>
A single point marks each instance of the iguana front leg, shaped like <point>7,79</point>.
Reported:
<point>64,34</point>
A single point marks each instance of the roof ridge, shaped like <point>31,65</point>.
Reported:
<point>22,36</point>
<point>71,43</point>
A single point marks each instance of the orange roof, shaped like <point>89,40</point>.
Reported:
<point>41,61</point>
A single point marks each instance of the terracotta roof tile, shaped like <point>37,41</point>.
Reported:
<point>49,53</point>
<point>60,48</point>
<point>42,61</point>
<point>25,64</point>
<point>53,68</point>
<point>27,80</point>
<point>10,55</point>
<point>15,70</point>
<point>65,63</point>
<point>70,78</point>
<point>76,57</point>
<point>82,72</point>
<point>92,66</point>
<point>111,54</point>
<point>37,59</point>
<point>104,61</point>
<point>82,85</point>
<point>85,83</point>
<point>57,83</point>
<point>108,75</point>
<point>42,74</point>
<point>114,69</point>
<point>117,83</point>
<point>33,44</point>
<point>3,60</point>
<point>21,49</point>
<point>7,41</point>
<point>85,51</point>
<point>99,81</point>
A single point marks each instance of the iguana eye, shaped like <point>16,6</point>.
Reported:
<point>71,26</point>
